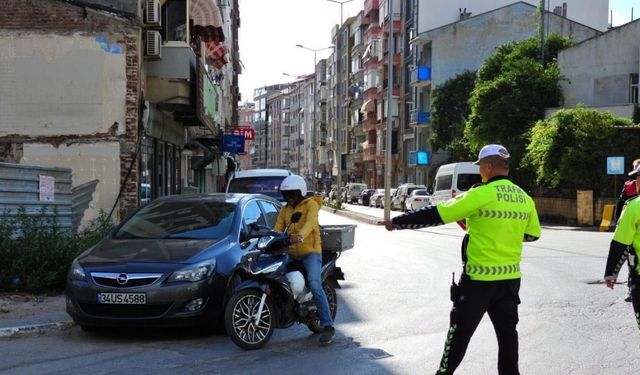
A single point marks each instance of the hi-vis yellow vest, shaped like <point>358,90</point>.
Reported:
<point>499,214</point>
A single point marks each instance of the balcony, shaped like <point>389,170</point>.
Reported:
<point>419,118</point>
<point>369,124</point>
<point>370,6</point>
<point>171,77</point>
<point>420,76</point>
<point>369,153</point>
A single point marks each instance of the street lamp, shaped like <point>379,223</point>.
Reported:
<point>341,5</point>
<point>315,89</point>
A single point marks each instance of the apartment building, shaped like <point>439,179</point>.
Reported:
<point>451,48</point>
<point>246,112</point>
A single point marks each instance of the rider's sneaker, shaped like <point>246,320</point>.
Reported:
<point>327,335</point>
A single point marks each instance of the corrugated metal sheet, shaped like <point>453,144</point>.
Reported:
<point>81,197</point>
<point>20,187</point>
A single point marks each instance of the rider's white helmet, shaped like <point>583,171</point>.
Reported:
<point>294,182</point>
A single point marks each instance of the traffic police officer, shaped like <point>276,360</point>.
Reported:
<point>499,216</point>
<point>625,240</point>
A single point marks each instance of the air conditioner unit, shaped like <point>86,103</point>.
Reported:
<point>153,44</point>
<point>152,13</point>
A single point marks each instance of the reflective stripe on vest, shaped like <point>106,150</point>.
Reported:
<point>492,270</point>
<point>497,214</point>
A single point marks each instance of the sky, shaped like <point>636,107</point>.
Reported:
<point>270,30</point>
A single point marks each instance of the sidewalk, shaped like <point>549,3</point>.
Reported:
<point>20,313</point>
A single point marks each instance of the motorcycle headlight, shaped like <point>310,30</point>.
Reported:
<point>263,242</point>
<point>76,272</point>
<point>195,272</point>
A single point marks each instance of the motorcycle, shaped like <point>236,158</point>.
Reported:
<point>273,294</point>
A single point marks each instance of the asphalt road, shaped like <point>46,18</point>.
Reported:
<point>392,319</point>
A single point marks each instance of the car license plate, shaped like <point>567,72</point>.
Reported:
<point>122,298</point>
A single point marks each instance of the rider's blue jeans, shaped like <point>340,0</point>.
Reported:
<point>313,266</point>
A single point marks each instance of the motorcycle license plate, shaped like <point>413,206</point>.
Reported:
<point>122,298</point>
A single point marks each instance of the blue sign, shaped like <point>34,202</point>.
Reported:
<point>423,158</point>
<point>233,143</point>
<point>615,165</point>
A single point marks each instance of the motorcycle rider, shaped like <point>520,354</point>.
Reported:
<point>305,244</point>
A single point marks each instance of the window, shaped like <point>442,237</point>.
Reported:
<point>252,215</point>
<point>174,21</point>
<point>466,181</point>
<point>190,220</point>
<point>633,88</point>
<point>443,182</point>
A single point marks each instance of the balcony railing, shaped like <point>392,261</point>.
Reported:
<point>419,117</point>
<point>420,76</point>
<point>369,153</point>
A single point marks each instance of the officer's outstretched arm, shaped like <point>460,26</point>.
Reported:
<point>618,253</point>
<point>424,217</point>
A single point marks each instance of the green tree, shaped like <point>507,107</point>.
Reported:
<point>569,150</point>
<point>450,109</point>
<point>512,91</point>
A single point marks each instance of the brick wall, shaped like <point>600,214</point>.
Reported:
<point>563,208</point>
<point>61,18</point>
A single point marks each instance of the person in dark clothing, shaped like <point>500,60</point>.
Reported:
<point>629,191</point>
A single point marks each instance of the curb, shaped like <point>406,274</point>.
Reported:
<point>354,215</point>
<point>12,331</point>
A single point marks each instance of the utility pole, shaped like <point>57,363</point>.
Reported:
<point>387,155</point>
<point>266,134</point>
<point>315,98</point>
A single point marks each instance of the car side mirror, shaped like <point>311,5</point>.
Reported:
<point>430,191</point>
<point>256,230</point>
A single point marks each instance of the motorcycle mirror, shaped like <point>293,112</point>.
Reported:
<point>296,217</point>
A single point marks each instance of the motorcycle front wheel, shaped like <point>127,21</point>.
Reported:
<point>240,319</point>
<point>332,298</point>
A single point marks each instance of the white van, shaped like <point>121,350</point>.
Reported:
<point>258,181</point>
<point>353,190</point>
<point>454,179</point>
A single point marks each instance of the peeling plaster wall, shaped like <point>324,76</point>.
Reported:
<point>88,161</point>
<point>598,70</point>
<point>58,85</point>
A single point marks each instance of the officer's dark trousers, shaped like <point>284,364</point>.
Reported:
<point>634,285</point>
<point>498,298</point>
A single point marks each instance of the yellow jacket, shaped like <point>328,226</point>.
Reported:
<point>307,226</point>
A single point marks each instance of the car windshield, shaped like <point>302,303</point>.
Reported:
<point>183,220</point>
<point>420,192</point>
<point>467,180</point>
<point>268,185</point>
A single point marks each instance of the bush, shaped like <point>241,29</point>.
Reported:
<point>36,251</point>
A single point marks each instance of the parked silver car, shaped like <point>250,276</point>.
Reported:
<point>417,199</point>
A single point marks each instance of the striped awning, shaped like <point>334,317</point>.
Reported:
<point>215,54</point>
<point>207,20</point>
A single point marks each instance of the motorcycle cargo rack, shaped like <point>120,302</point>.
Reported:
<point>337,237</point>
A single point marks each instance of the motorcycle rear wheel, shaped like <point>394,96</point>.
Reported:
<point>239,319</point>
<point>332,298</point>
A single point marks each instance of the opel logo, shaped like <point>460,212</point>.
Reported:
<point>122,278</point>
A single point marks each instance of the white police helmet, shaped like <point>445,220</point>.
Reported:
<point>294,182</point>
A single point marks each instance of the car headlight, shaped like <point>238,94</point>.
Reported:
<point>76,272</point>
<point>195,272</point>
